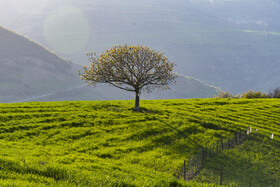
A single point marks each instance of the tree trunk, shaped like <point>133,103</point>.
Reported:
<point>137,99</point>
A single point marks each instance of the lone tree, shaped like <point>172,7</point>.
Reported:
<point>131,68</point>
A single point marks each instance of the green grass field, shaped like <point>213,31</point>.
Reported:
<point>107,143</point>
<point>256,162</point>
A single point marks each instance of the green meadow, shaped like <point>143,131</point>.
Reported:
<point>107,143</point>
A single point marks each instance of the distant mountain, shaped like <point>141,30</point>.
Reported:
<point>29,69</point>
<point>185,87</point>
<point>30,72</point>
<point>232,44</point>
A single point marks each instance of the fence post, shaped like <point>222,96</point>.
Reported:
<point>199,160</point>
<point>195,163</point>
<point>202,158</point>
<point>191,167</point>
<point>249,132</point>
<point>205,156</point>
<point>184,170</point>
<point>221,176</point>
<point>250,184</point>
<point>235,139</point>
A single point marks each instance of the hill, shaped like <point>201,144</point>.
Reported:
<point>30,72</point>
<point>29,69</point>
<point>230,44</point>
<point>184,88</point>
<point>106,143</point>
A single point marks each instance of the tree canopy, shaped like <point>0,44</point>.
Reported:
<point>131,68</point>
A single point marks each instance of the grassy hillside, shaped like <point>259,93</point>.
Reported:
<point>256,161</point>
<point>106,143</point>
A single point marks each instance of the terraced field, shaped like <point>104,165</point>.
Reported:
<point>107,143</point>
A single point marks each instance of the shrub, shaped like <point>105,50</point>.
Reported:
<point>223,94</point>
<point>251,94</point>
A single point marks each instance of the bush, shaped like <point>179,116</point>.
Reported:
<point>251,94</point>
<point>223,94</point>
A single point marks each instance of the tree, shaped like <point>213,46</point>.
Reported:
<point>275,93</point>
<point>130,68</point>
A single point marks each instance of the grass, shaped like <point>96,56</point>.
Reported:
<point>256,160</point>
<point>107,143</point>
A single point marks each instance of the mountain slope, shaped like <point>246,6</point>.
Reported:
<point>30,72</point>
<point>30,69</point>
<point>184,88</point>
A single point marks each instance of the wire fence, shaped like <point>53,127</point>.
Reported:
<point>191,169</point>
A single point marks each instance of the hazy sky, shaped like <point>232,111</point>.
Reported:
<point>30,7</point>
<point>196,34</point>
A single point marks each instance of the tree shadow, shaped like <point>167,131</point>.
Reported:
<point>185,146</point>
<point>148,111</point>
